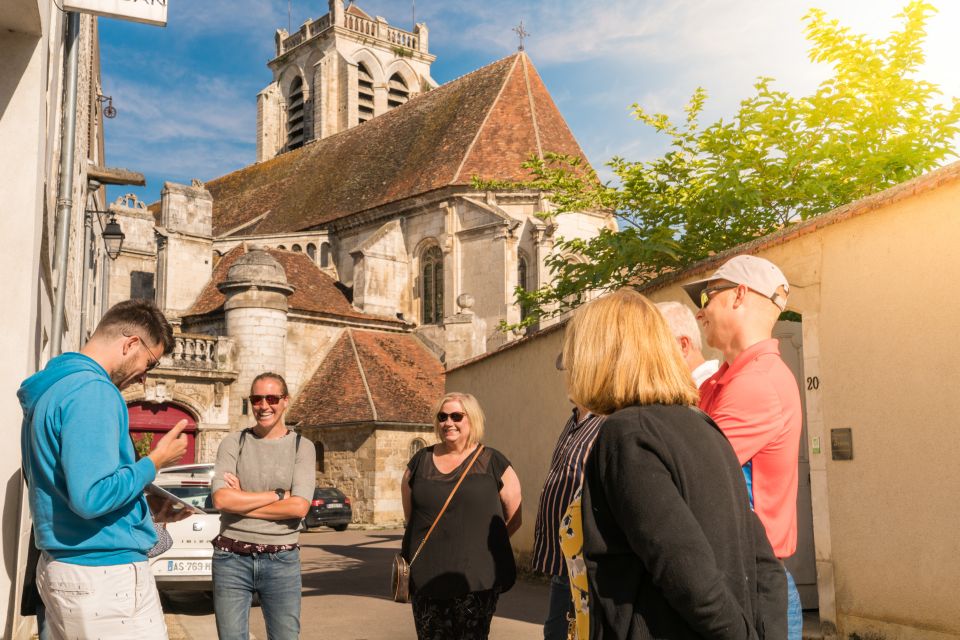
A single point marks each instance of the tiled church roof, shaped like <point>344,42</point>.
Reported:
<point>371,376</point>
<point>314,290</point>
<point>484,124</point>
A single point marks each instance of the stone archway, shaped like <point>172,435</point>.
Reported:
<point>150,421</point>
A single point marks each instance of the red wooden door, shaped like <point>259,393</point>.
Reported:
<point>152,421</point>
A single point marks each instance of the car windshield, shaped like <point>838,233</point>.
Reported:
<point>327,494</point>
<point>198,496</point>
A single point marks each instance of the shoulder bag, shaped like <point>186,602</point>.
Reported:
<point>400,574</point>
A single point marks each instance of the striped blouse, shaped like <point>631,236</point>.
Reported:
<point>563,480</point>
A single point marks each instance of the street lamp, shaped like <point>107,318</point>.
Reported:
<point>113,237</point>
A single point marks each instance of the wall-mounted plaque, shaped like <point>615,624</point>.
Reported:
<point>841,444</point>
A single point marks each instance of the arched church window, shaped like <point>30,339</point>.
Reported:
<point>281,247</point>
<point>364,94</point>
<point>415,445</point>
<point>431,272</point>
<point>321,463</point>
<point>522,283</point>
<point>295,114</point>
<point>397,91</point>
<point>312,251</point>
<point>325,255</point>
<point>296,248</point>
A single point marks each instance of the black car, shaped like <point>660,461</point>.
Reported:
<point>329,508</point>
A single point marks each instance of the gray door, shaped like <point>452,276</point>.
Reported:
<point>803,563</point>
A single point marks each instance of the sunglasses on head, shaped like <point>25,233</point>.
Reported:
<point>456,416</point>
<point>272,400</point>
<point>707,294</point>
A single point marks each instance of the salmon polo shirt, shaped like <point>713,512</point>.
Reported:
<point>756,403</point>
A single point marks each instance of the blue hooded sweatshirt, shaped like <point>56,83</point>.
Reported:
<point>86,487</point>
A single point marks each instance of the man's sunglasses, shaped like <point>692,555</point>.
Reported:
<point>456,416</point>
<point>272,400</point>
<point>707,294</point>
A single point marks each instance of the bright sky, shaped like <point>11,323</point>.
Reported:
<point>186,94</point>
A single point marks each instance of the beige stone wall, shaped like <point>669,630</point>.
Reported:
<point>523,399</point>
<point>393,447</point>
<point>350,455</point>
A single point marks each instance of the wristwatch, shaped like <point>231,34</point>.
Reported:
<point>280,493</point>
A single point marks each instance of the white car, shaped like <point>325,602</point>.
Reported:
<point>187,564</point>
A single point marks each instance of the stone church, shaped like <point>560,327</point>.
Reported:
<point>355,257</point>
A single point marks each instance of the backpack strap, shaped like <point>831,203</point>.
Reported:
<point>243,435</point>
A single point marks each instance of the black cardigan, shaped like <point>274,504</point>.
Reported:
<point>671,546</point>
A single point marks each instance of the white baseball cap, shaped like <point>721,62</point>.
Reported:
<point>761,276</point>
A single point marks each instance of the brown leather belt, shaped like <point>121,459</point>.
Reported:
<point>249,548</point>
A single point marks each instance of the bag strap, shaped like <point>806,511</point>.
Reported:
<point>445,504</point>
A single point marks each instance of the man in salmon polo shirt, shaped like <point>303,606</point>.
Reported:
<point>754,398</point>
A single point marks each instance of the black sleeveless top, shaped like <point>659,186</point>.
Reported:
<point>469,550</point>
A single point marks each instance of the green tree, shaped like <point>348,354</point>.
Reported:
<point>778,160</point>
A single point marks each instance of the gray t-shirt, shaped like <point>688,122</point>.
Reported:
<point>265,465</point>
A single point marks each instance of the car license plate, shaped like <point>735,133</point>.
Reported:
<point>334,506</point>
<point>188,567</point>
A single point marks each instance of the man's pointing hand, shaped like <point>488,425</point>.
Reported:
<point>171,447</point>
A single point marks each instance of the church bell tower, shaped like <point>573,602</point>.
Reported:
<point>338,72</point>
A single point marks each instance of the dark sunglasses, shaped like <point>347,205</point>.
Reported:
<point>707,294</point>
<point>271,400</point>
<point>456,416</point>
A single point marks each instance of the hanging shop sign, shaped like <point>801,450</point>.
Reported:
<point>146,11</point>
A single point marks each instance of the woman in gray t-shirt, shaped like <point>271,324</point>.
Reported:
<point>262,484</point>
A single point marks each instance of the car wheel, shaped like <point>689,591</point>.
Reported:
<point>340,527</point>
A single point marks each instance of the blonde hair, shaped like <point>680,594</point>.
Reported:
<point>618,351</point>
<point>470,407</point>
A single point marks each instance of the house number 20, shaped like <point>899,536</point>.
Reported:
<point>813,383</point>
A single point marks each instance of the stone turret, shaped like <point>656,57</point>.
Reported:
<point>256,290</point>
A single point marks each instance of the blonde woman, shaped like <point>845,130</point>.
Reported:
<point>467,561</point>
<point>670,547</point>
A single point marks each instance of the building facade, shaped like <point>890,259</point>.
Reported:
<point>50,187</point>
<point>357,257</point>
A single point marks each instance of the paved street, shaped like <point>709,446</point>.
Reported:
<point>345,583</point>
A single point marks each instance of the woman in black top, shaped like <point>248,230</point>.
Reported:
<point>467,562</point>
<point>671,548</point>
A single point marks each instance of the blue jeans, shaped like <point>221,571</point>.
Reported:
<point>561,602</point>
<point>274,576</point>
<point>794,610</point>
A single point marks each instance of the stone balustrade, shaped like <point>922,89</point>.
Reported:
<point>304,33</point>
<point>357,24</point>
<point>402,38</point>
<point>198,351</point>
<point>360,25</point>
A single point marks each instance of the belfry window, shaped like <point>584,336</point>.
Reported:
<point>295,114</point>
<point>431,278</point>
<point>397,91</point>
<point>364,94</point>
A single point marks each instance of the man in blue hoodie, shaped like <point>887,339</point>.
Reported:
<point>90,517</point>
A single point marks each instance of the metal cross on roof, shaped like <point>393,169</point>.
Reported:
<point>521,33</point>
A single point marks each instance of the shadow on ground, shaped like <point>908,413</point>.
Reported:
<point>363,569</point>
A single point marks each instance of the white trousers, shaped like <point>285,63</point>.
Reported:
<point>91,603</point>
